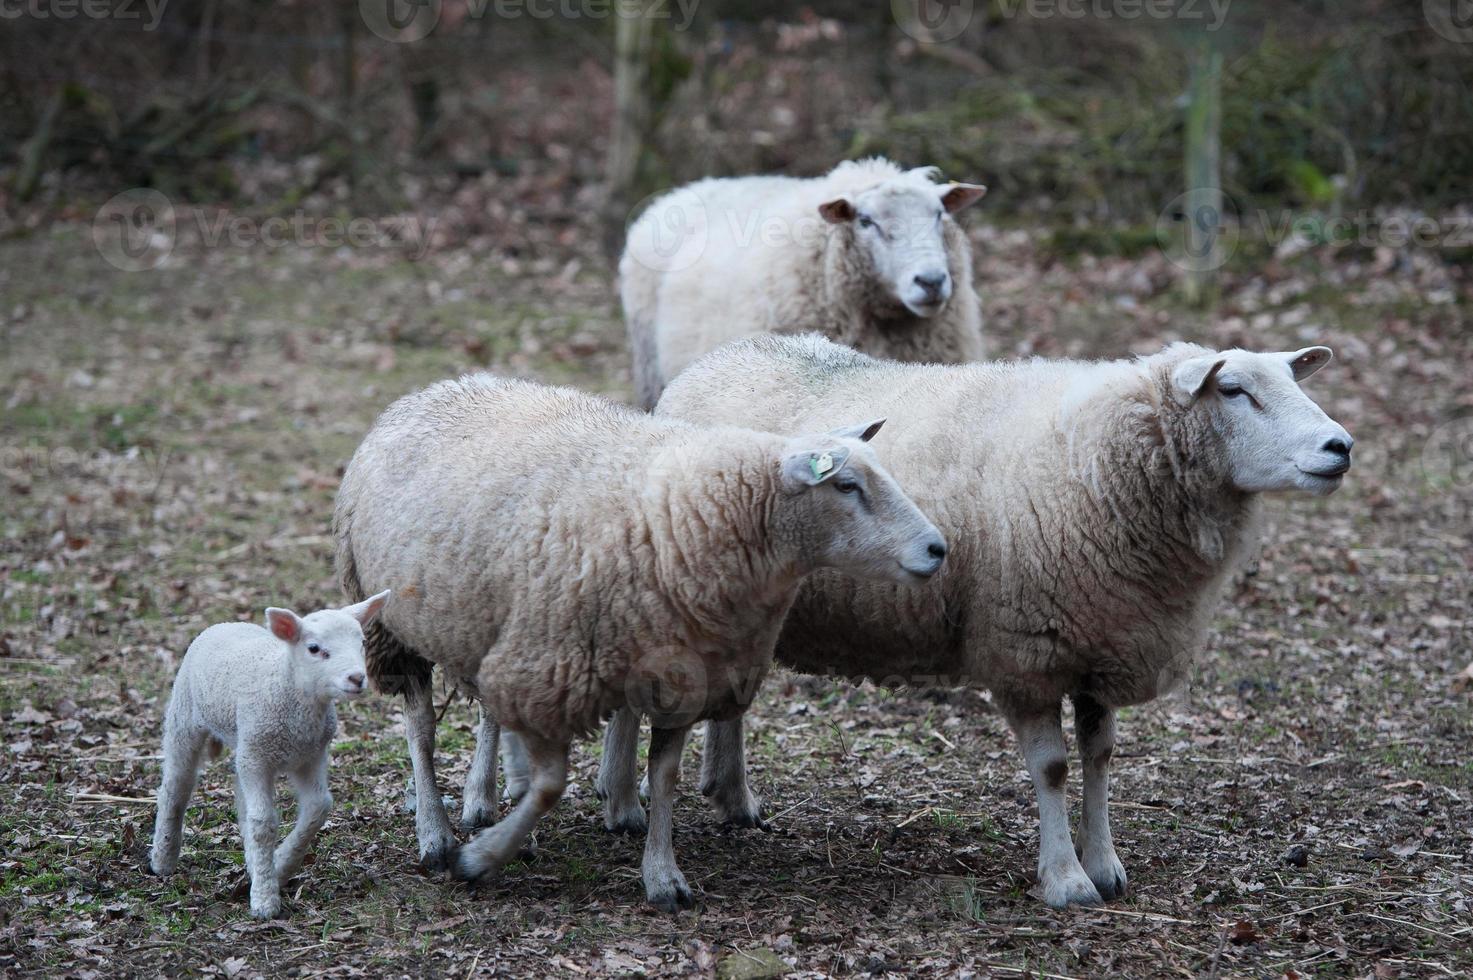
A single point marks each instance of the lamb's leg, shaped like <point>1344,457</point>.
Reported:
<point>514,764</point>
<point>1094,730</point>
<point>618,774</point>
<point>491,849</point>
<point>437,843</point>
<point>314,802</point>
<point>256,805</point>
<point>478,808</point>
<point>182,750</point>
<point>1060,874</point>
<point>664,885</point>
<point>724,776</point>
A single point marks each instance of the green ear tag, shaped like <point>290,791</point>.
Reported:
<point>821,465</point>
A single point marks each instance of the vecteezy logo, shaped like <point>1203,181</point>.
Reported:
<point>1453,19</point>
<point>134,230</point>
<point>672,234</point>
<point>1447,458</point>
<point>1198,230</point>
<point>932,21</point>
<point>400,20</point>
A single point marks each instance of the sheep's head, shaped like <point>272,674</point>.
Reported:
<point>326,646</point>
<point>1275,437</point>
<point>842,510</point>
<point>898,228</point>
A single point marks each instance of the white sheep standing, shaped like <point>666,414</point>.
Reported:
<point>561,557</point>
<point>867,255</point>
<point>1095,512</point>
<point>268,694</point>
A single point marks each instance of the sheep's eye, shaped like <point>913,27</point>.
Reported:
<point>865,221</point>
<point>846,486</point>
<point>316,648</point>
<point>1229,390</point>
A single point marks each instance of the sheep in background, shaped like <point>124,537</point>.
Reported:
<point>867,255</point>
<point>1095,512</point>
<point>562,557</point>
<point>269,695</point>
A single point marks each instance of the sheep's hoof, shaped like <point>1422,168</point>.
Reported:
<point>671,895</point>
<point>633,823</point>
<point>746,821</point>
<point>1108,875</point>
<point>743,811</point>
<point>1062,888</point>
<point>476,817</point>
<point>439,855</point>
<point>266,908</point>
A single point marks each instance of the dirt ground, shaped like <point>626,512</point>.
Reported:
<point>172,440</point>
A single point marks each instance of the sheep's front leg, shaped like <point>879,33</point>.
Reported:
<point>255,801</point>
<point>1094,730</point>
<point>182,751</point>
<point>618,774</point>
<point>437,843</point>
<point>1041,736</point>
<point>478,808</point>
<point>314,803</point>
<point>664,885</point>
<point>491,849</point>
<point>724,776</point>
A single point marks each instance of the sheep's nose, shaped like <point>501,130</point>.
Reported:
<point>1339,446</point>
<point>936,549</point>
<point>356,680</point>
<point>931,282</point>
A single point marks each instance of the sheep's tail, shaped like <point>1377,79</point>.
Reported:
<point>648,385</point>
<point>392,665</point>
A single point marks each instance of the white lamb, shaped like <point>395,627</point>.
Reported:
<point>1095,511</point>
<point>269,695</point>
<point>867,255</point>
<point>562,557</point>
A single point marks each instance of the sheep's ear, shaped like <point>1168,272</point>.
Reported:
<point>864,431</point>
<point>284,624</point>
<point>837,211</point>
<point>1309,360</point>
<point>810,467</point>
<point>369,608</point>
<point>1192,377</point>
<point>958,197</point>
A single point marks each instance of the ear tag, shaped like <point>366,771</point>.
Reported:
<point>821,465</point>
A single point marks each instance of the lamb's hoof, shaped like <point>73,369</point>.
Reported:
<point>476,817</point>
<point>632,822</point>
<point>470,869</point>
<point>741,813</point>
<point>1062,888</point>
<point>439,855</point>
<point>670,894</point>
<point>1108,875</point>
<point>266,908</point>
<point>163,867</point>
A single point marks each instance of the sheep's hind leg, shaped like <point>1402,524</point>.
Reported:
<point>437,843</point>
<point>664,885</point>
<point>182,751</point>
<point>478,808</point>
<point>314,803</point>
<point>514,765</point>
<point>1060,874</point>
<point>1094,730</point>
<point>618,773</point>
<point>491,849</point>
<point>724,776</point>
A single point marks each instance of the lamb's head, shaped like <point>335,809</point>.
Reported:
<point>898,231</point>
<point>1274,436</point>
<point>326,646</point>
<point>840,509</point>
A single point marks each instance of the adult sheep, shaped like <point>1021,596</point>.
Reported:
<point>1094,511</point>
<point>561,557</point>
<point>867,255</point>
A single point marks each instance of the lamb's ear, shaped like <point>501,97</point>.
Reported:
<point>958,197</point>
<point>810,467</point>
<point>837,211</point>
<point>1192,377</point>
<point>1309,360</point>
<point>284,624</point>
<point>864,431</point>
<point>369,608</point>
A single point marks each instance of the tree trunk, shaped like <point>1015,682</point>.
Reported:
<point>1202,211</point>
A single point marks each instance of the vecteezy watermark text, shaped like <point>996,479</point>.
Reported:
<point>413,20</point>
<point>138,229</point>
<point>153,10</point>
